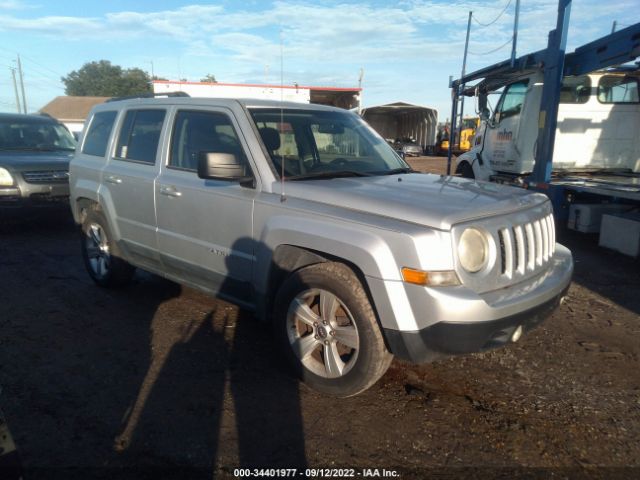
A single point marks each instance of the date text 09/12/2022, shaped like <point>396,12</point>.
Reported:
<point>316,473</point>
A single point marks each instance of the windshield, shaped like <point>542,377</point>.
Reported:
<point>35,136</point>
<point>314,143</point>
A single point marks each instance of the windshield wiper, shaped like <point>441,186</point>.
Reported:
<point>395,171</point>
<point>329,175</point>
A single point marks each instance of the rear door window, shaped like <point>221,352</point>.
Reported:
<point>139,135</point>
<point>97,137</point>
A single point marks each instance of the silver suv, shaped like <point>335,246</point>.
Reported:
<point>303,214</point>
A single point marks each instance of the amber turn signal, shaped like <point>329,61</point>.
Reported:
<point>433,279</point>
<point>418,277</point>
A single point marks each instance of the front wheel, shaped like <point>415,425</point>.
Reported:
<point>465,170</point>
<point>328,330</point>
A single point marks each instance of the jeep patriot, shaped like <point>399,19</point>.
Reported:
<point>306,216</point>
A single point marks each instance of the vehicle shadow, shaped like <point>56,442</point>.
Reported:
<point>153,380</point>
<point>215,396</point>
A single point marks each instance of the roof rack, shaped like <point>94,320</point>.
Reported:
<point>150,95</point>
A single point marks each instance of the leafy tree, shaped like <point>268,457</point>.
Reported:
<point>210,78</point>
<point>106,80</point>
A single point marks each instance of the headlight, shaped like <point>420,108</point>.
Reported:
<point>6,180</point>
<point>473,250</point>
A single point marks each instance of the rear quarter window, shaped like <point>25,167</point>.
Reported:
<point>97,137</point>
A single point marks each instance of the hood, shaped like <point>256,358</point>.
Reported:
<point>437,201</point>
<point>22,160</point>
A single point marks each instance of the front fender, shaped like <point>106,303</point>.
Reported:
<point>480,172</point>
<point>370,252</point>
<point>365,248</point>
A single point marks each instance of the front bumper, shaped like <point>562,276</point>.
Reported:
<point>422,324</point>
<point>446,338</point>
<point>33,195</point>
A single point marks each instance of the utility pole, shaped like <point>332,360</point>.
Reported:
<point>613,27</point>
<point>464,71</point>
<point>24,98</point>
<point>360,92</point>
<point>15,88</point>
<point>514,42</point>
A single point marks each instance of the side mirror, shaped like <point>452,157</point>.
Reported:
<point>483,106</point>
<point>222,166</point>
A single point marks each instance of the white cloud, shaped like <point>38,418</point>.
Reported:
<point>340,32</point>
<point>15,5</point>
<point>51,25</point>
<point>403,45</point>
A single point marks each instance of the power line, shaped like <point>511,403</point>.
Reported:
<point>44,74</point>
<point>55,75</point>
<point>495,49</point>
<point>36,73</point>
<point>43,66</point>
<point>495,19</point>
<point>39,86</point>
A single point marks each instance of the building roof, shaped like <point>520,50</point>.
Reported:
<point>260,85</point>
<point>343,97</point>
<point>71,109</point>
<point>397,108</point>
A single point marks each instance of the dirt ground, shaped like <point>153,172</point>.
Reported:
<point>160,381</point>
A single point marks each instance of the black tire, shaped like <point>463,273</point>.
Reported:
<point>465,170</point>
<point>351,320</point>
<point>101,255</point>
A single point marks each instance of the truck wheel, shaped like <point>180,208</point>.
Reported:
<point>328,330</point>
<point>465,170</point>
<point>101,255</point>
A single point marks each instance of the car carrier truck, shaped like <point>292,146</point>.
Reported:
<point>563,124</point>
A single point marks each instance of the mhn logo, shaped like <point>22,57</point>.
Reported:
<point>505,136</point>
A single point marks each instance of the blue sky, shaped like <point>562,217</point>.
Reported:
<point>407,48</point>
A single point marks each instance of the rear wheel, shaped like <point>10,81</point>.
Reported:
<point>328,330</point>
<point>100,253</point>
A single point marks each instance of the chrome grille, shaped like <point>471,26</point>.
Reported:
<point>527,247</point>
<point>46,176</point>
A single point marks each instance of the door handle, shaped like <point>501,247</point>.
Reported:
<point>113,179</point>
<point>169,191</point>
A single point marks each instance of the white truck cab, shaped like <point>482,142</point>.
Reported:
<point>598,121</point>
